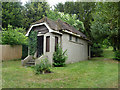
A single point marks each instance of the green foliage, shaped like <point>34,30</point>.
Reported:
<point>12,14</point>
<point>99,31</point>
<point>24,51</point>
<point>106,22</point>
<point>83,11</point>
<point>33,11</point>
<point>42,67</point>
<point>106,43</point>
<point>17,15</point>
<point>117,55</point>
<point>59,57</point>
<point>99,20</point>
<point>96,50</point>
<point>70,19</point>
<point>13,36</point>
<point>32,42</point>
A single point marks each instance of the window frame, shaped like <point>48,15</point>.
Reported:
<point>70,37</point>
<point>56,42</point>
<point>76,39</point>
<point>47,43</point>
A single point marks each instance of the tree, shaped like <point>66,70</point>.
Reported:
<point>83,11</point>
<point>60,7</point>
<point>11,14</point>
<point>108,21</point>
<point>34,11</point>
<point>72,20</point>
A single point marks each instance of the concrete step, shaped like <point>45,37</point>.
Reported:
<point>30,63</point>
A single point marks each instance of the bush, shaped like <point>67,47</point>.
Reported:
<point>59,57</point>
<point>96,50</point>
<point>117,55</point>
<point>13,36</point>
<point>42,67</point>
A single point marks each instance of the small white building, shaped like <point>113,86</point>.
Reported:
<point>52,32</point>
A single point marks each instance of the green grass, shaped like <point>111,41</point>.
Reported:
<point>94,73</point>
<point>108,53</point>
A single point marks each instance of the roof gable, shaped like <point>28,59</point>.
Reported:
<point>58,25</point>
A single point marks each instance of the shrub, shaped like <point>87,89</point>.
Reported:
<point>59,57</point>
<point>96,50</point>
<point>117,55</point>
<point>13,36</point>
<point>42,67</point>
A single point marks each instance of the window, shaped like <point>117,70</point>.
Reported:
<point>47,43</point>
<point>76,39</point>
<point>56,42</point>
<point>70,37</point>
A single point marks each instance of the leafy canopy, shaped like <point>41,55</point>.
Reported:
<point>70,19</point>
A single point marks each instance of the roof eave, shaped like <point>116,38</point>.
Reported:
<point>75,34</point>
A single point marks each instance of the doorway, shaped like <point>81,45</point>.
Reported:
<point>40,40</point>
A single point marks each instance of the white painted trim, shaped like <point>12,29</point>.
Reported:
<point>50,30</point>
<point>56,32</point>
<point>71,33</point>
<point>39,34</point>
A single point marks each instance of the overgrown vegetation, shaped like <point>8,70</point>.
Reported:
<point>12,36</point>
<point>117,55</point>
<point>43,67</point>
<point>59,57</point>
<point>32,42</point>
<point>96,50</point>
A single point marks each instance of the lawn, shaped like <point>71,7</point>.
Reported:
<point>100,72</point>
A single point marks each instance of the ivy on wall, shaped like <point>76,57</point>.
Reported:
<point>32,42</point>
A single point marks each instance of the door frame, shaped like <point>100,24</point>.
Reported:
<point>42,45</point>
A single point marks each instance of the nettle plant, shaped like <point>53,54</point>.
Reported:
<point>59,57</point>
